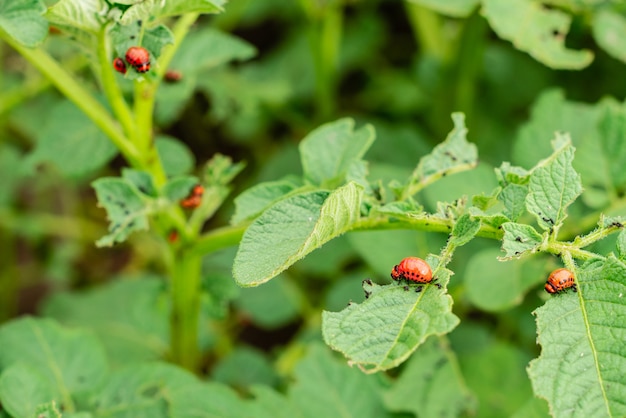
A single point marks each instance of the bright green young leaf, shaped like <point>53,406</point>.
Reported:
<point>128,314</point>
<point>418,388</point>
<point>554,185</point>
<point>158,9</point>
<point>327,387</point>
<point>464,230</point>
<point>292,228</point>
<point>23,388</point>
<point>85,15</point>
<point>513,196</point>
<point>455,8</point>
<point>328,152</point>
<point>23,21</point>
<point>536,30</point>
<point>175,156</point>
<point>519,239</point>
<point>495,286</point>
<point>582,336</point>
<point>452,155</point>
<point>126,209</point>
<point>70,361</point>
<point>392,323</point>
<point>51,410</point>
<point>256,199</point>
<point>609,31</point>
<point>69,135</point>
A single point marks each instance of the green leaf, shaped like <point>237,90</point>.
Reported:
<point>536,30</point>
<point>158,9</point>
<point>179,188</point>
<point>513,196</point>
<point>23,21</point>
<point>175,156</point>
<point>326,387</point>
<point>126,209</point>
<point>609,31</point>
<point>612,146</point>
<point>50,410</point>
<point>495,286</point>
<point>141,180</point>
<point>464,230</point>
<point>582,344</point>
<point>69,135</point>
<point>455,8</point>
<point>271,404</point>
<point>292,228</point>
<point>392,323</point>
<point>23,388</point>
<point>244,367</point>
<point>510,174</point>
<point>128,314</point>
<point>256,199</point>
<point>85,15</point>
<point>554,185</point>
<point>432,366</point>
<point>70,361</point>
<point>328,152</point>
<point>519,239</point>
<point>452,155</point>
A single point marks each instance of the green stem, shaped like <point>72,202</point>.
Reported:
<point>218,239</point>
<point>416,186</point>
<point>426,25</point>
<point>185,293</point>
<point>110,85</point>
<point>71,88</point>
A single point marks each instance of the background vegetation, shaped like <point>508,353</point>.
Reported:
<point>121,327</point>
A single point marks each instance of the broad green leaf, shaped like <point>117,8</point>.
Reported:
<point>582,344</point>
<point>70,361</point>
<point>273,305</point>
<point>452,155</point>
<point>128,314</point>
<point>158,9</point>
<point>292,228</point>
<point>126,209</point>
<point>175,156</point>
<point>554,185</point>
<point>328,152</point>
<point>456,8</point>
<point>85,15</point>
<point>519,239</point>
<point>327,387</point>
<point>513,196</point>
<point>23,21</point>
<point>207,400</point>
<point>494,286</point>
<point>392,323</point>
<point>256,199</point>
<point>464,230</point>
<point>23,388</point>
<point>415,390</point>
<point>536,30</point>
<point>69,135</point>
<point>609,31</point>
<point>141,180</point>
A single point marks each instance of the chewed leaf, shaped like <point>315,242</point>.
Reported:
<point>554,185</point>
<point>452,155</point>
<point>464,230</point>
<point>383,331</point>
<point>582,336</point>
<point>535,29</point>
<point>126,209</point>
<point>292,228</point>
<point>519,240</point>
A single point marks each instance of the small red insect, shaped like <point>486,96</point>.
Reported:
<point>413,269</point>
<point>138,58</point>
<point>559,280</point>
<point>119,65</point>
<point>172,237</point>
<point>194,198</point>
<point>173,76</point>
